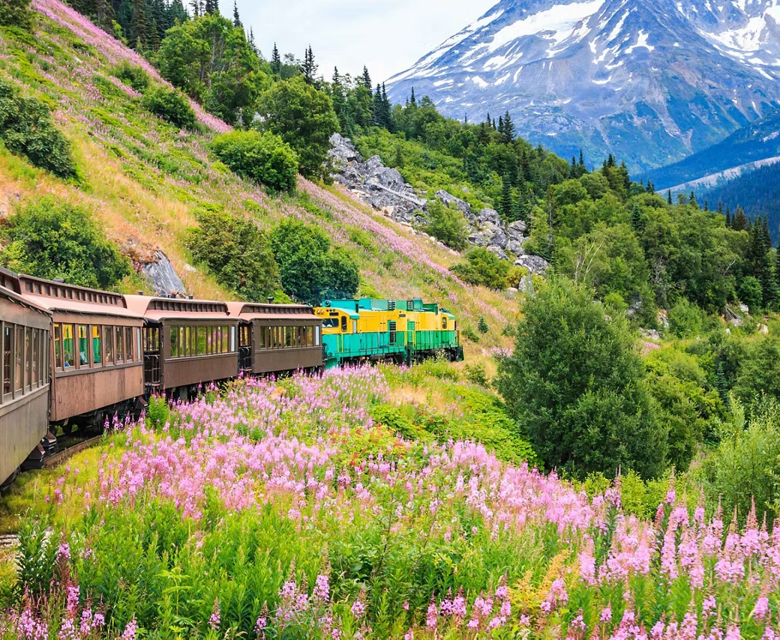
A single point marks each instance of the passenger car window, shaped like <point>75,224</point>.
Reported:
<point>68,348</point>
<point>108,337</point>
<point>97,347</point>
<point>119,334</point>
<point>8,345</point>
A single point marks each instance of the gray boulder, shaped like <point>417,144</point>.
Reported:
<point>498,251</point>
<point>489,216</point>
<point>535,264</point>
<point>515,245</point>
<point>342,151</point>
<point>160,271</point>
<point>516,229</point>
<point>450,200</point>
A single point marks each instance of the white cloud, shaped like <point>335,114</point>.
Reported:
<point>386,35</point>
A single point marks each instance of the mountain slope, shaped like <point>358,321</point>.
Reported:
<point>748,148</point>
<point>648,80</point>
<point>144,180</point>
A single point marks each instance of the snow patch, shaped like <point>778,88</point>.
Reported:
<point>559,22</point>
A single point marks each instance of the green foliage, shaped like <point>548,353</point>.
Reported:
<point>52,239</point>
<point>578,388</point>
<point>304,118</point>
<point>471,335</point>
<point>170,105</point>
<point>686,319</point>
<point>259,156</point>
<point>477,374</point>
<point>211,61</point>
<point>16,13</point>
<point>751,293</point>
<point>27,130</point>
<point>37,557</point>
<point>236,252</point>
<point>132,75</point>
<point>310,270</point>
<point>746,465</point>
<point>483,267</point>
<point>759,370</point>
<point>447,225</point>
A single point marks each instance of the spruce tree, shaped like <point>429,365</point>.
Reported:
<point>728,219</point>
<point>309,67</point>
<point>637,221</point>
<point>693,200</point>
<point>236,17</point>
<point>509,129</point>
<point>413,101</point>
<point>366,78</point>
<point>387,111</point>
<point>377,108</point>
<point>212,7</point>
<point>507,203</point>
<point>740,221</point>
<point>276,59</point>
<point>669,196</point>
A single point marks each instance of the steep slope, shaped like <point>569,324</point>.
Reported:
<point>144,179</point>
<point>748,148</point>
<point>648,80</point>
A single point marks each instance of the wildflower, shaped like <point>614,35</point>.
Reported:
<point>322,588</point>
<point>358,609</point>
<point>761,610</point>
<point>215,619</point>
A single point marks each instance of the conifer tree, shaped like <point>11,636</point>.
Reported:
<point>740,221</point>
<point>507,204</point>
<point>387,111</point>
<point>413,101</point>
<point>650,188</point>
<point>509,129</point>
<point>637,222</point>
<point>276,60</point>
<point>728,219</point>
<point>236,18</point>
<point>693,200</point>
<point>366,78</point>
<point>669,196</point>
<point>140,25</point>
<point>309,67</point>
<point>212,7</point>
<point>253,46</point>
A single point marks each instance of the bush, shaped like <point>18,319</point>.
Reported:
<point>310,270</point>
<point>303,116</point>
<point>746,465</point>
<point>686,319</point>
<point>236,252</point>
<point>52,239</point>
<point>577,386</point>
<point>482,267</point>
<point>132,75</point>
<point>447,225</point>
<point>477,374</point>
<point>170,105</point>
<point>16,13</point>
<point>27,130</point>
<point>262,157</point>
<point>751,293</point>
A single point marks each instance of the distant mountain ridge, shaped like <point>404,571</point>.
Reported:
<point>749,148</point>
<point>650,81</point>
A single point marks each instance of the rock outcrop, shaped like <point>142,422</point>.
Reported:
<point>164,280</point>
<point>385,190</point>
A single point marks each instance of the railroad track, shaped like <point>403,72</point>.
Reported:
<point>62,456</point>
<point>8,541</point>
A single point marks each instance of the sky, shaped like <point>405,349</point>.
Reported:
<point>388,36</point>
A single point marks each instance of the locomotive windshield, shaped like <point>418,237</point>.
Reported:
<point>330,323</point>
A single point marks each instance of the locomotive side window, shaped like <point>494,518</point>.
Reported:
<point>444,323</point>
<point>343,324</point>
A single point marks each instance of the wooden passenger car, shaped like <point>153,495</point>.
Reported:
<point>276,338</point>
<point>96,358</point>
<point>24,376</point>
<point>186,342</point>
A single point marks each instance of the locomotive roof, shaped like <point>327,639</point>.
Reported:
<point>264,311</point>
<point>172,308</point>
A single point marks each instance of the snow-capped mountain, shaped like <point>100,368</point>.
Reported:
<point>649,80</point>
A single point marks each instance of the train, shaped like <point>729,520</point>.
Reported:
<point>76,357</point>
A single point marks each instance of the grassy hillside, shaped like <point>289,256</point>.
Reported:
<point>143,180</point>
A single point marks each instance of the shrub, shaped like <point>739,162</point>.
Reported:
<point>746,465</point>
<point>262,157</point>
<point>132,75</point>
<point>16,13</point>
<point>686,319</point>
<point>170,105</point>
<point>482,267</point>
<point>577,386</point>
<point>310,270</point>
<point>447,225</point>
<point>236,252</point>
<point>751,293</point>
<point>53,239</point>
<point>477,374</point>
<point>27,130</point>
